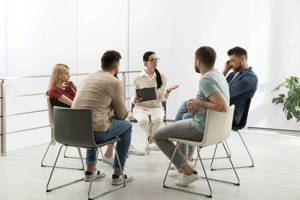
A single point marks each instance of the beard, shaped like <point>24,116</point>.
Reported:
<point>197,69</point>
<point>238,69</point>
<point>116,74</point>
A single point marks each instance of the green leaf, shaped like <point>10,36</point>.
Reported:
<point>289,116</point>
<point>291,101</point>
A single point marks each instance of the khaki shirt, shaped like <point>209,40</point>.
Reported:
<point>101,92</point>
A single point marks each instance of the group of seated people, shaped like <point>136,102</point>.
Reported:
<point>103,93</point>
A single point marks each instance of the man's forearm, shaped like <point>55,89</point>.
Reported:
<point>212,106</point>
<point>225,72</point>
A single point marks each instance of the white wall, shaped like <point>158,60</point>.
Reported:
<point>268,30</point>
<point>43,33</point>
<point>40,34</point>
<point>2,40</point>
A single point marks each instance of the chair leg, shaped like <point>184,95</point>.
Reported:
<point>54,166</point>
<point>238,167</point>
<point>42,162</point>
<point>165,186</point>
<point>65,156</point>
<point>216,151</point>
<point>247,151</point>
<point>198,152</point>
<point>238,183</point>
<point>123,185</point>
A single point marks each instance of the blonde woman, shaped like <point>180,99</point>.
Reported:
<point>61,91</point>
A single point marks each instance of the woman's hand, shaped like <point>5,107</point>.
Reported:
<point>172,88</point>
<point>193,105</point>
<point>137,99</point>
<point>72,85</point>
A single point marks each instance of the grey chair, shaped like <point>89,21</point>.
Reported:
<point>74,128</point>
<point>50,115</point>
<point>51,122</point>
<point>164,104</point>
<point>237,128</point>
<point>217,130</point>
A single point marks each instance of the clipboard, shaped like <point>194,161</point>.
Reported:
<point>148,94</point>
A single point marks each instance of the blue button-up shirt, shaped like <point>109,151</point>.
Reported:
<point>243,87</point>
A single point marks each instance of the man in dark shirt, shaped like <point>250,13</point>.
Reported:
<point>242,86</point>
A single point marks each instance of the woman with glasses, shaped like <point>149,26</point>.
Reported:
<point>149,114</point>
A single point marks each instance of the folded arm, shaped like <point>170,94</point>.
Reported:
<point>216,102</point>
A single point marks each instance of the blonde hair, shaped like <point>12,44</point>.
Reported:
<point>57,69</point>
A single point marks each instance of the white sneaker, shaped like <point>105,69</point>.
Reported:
<point>175,174</point>
<point>147,149</point>
<point>192,164</point>
<point>187,179</point>
<point>97,174</point>
<point>154,147</point>
<point>117,180</point>
<point>109,161</point>
<point>133,151</point>
<point>172,167</point>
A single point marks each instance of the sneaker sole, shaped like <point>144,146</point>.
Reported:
<point>121,182</point>
<point>179,176</point>
<point>189,182</point>
<point>108,163</point>
<point>136,154</point>
<point>89,180</point>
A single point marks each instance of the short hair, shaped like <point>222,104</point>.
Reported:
<point>110,59</point>
<point>206,55</point>
<point>238,52</point>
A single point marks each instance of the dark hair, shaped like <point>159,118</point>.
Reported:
<point>110,59</point>
<point>206,55</point>
<point>238,52</point>
<point>158,76</point>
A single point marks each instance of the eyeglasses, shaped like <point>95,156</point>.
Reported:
<point>154,60</point>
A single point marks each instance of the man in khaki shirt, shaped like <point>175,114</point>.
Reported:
<point>102,92</point>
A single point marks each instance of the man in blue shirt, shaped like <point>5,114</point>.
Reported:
<point>242,86</point>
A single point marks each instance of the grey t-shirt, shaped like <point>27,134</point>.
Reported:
<point>211,82</point>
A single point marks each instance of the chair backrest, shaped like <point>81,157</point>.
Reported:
<point>50,111</point>
<point>74,127</point>
<point>218,126</point>
<point>244,118</point>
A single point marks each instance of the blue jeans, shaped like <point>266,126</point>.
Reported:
<point>120,128</point>
<point>183,113</point>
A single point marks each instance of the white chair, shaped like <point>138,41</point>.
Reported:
<point>237,128</point>
<point>217,130</point>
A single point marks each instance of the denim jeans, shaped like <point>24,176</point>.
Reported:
<point>120,128</point>
<point>183,113</point>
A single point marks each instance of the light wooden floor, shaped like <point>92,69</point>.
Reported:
<point>276,174</point>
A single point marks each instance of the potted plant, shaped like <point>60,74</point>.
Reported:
<point>291,102</point>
